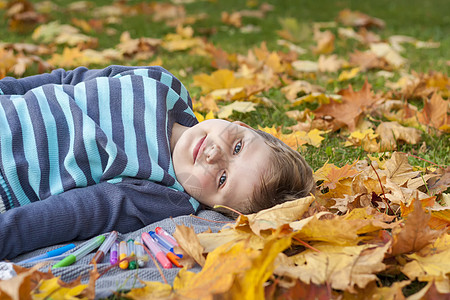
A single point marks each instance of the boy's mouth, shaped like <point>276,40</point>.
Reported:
<point>197,148</point>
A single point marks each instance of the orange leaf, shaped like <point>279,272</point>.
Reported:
<point>415,234</point>
<point>352,107</point>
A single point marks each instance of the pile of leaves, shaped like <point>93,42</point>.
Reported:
<point>372,232</point>
<point>376,228</point>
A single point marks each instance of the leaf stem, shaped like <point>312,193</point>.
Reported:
<point>382,189</point>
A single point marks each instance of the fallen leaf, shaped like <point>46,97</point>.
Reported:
<point>398,168</point>
<point>276,216</point>
<point>220,79</point>
<point>344,268</point>
<point>151,290</point>
<point>325,42</point>
<point>415,234</point>
<point>240,106</point>
<point>435,113</point>
<point>358,19</point>
<point>188,241</point>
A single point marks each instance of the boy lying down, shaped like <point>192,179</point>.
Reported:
<point>85,152</point>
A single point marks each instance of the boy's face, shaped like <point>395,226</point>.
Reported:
<point>220,163</point>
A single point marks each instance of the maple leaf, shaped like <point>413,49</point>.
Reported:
<point>26,280</point>
<point>325,42</point>
<point>342,267</point>
<point>331,175</point>
<point>220,79</point>
<point>7,61</point>
<point>250,285</point>
<point>293,140</point>
<point>367,60</point>
<point>431,264</point>
<point>151,290</point>
<point>276,216</point>
<point>359,19</point>
<point>391,132</point>
<point>435,114</point>
<point>330,63</point>
<point>416,234</point>
<point>218,272</point>
<point>188,241</point>
<point>233,19</point>
<point>240,106</point>
<point>398,169</point>
<point>349,111</point>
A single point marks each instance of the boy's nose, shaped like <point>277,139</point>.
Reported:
<point>213,154</point>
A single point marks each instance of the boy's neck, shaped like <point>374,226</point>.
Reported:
<point>177,132</point>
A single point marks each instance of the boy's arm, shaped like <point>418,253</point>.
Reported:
<point>13,86</point>
<point>82,213</point>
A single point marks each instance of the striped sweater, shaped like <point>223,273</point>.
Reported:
<point>93,144</point>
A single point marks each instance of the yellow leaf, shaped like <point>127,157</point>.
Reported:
<point>187,239</point>
<point>314,137</point>
<point>250,285</point>
<point>398,169</point>
<point>344,268</point>
<point>278,215</point>
<point>151,290</point>
<point>391,132</point>
<point>347,75</point>
<point>431,267</point>
<point>211,241</point>
<point>220,79</point>
<point>335,231</point>
<point>217,275</point>
<point>240,106</point>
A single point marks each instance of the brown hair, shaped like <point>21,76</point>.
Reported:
<point>288,177</point>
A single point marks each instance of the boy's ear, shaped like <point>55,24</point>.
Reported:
<point>242,124</point>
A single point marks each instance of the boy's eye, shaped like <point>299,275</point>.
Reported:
<point>222,179</point>
<point>237,148</point>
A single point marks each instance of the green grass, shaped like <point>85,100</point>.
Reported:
<point>424,20</point>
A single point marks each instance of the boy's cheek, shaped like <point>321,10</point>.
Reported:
<point>195,185</point>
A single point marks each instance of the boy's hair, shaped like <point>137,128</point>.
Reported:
<point>287,178</point>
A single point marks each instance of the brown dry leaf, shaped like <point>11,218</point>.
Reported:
<point>233,19</point>
<point>21,286</point>
<point>278,215</point>
<point>358,19</point>
<point>344,268</point>
<point>352,107</point>
<point>302,290</point>
<point>435,113</point>
<point>385,51</point>
<point>415,234</point>
<point>188,241</point>
<point>331,63</point>
<point>431,264</point>
<point>151,290</point>
<point>367,60</point>
<point>392,132</point>
<point>398,169</point>
<point>331,175</point>
<point>210,241</point>
<point>325,42</point>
